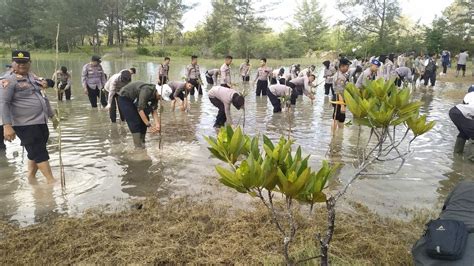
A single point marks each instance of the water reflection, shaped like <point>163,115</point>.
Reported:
<point>102,167</point>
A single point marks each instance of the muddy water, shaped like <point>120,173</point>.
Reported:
<point>103,169</point>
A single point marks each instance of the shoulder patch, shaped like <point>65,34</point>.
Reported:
<point>5,83</point>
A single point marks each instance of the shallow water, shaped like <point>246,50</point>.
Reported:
<point>102,168</point>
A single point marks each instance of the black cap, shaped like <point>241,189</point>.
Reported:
<point>19,56</point>
<point>96,58</point>
<point>345,62</point>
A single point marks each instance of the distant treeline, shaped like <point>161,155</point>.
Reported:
<point>232,27</point>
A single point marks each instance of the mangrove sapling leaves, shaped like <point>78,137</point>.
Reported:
<point>419,126</point>
<point>410,108</point>
<point>268,142</point>
<point>230,179</point>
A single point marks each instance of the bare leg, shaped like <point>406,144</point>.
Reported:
<point>32,169</point>
<point>45,169</point>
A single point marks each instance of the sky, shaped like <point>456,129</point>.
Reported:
<point>423,10</point>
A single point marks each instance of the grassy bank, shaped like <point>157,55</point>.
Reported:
<point>183,231</point>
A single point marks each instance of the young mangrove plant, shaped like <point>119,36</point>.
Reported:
<point>273,168</point>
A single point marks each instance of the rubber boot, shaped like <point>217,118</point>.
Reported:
<point>137,140</point>
<point>459,146</point>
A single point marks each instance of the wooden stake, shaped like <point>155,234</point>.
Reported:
<point>58,111</point>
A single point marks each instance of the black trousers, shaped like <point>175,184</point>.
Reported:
<point>162,80</point>
<point>220,118</point>
<point>445,67</point>
<point>62,92</point>
<point>97,93</point>
<point>209,80</point>
<point>431,77</point>
<point>294,92</point>
<point>245,78</point>
<point>328,87</point>
<point>34,138</point>
<point>273,81</point>
<point>2,142</point>
<point>262,87</point>
<point>130,112</point>
<point>113,110</point>
<point>464,125</point>
<point>196,86</point>
<point>276,102</point>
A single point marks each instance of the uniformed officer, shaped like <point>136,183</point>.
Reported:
<point>341,78</point>
<point>113,86</point>
<point>63,83</point>
<point>263,73</point>
<point>403,74</point>
<point>25,114</point>
<point>211,76</point>
<point>371,73</point>
<point>93,81</point>
<point>193,75</point>
<point>329,71</point>
<point>226,80</point>
<point>137,101</point>
<point>180,90</point>
<point>223,98</point>
<point>302,84</point>
<point>245,71</point>
<point>163,71</point>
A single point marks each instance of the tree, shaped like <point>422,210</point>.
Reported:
<point>167,19</point>
<point>375,17</point>
<point>137,15</point>
<point>310,22</point>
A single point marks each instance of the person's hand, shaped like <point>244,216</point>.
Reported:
<point>154,129</point>
<point>8,133</point>
<point>55,121</point>
<point>107,107</point>
<point>312,97</point>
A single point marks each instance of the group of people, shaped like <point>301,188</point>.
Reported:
<point>25,109</point>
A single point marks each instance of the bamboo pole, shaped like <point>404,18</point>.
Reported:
<point>58,111</point>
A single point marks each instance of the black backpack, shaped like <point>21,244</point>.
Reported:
<point>446,239</point>
<point>431,67</point>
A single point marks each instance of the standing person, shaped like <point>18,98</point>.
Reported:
<point>25,114</point>
<point>222,98</point>
<point>244,70</point>
<point>8,72</point>
<point>371,73</point>
<point>403,74</point>
<point>445,61</point>
<point>263,73</point>
<point>113,86</point>
<point>180,90</point>
<point>430,69</point>
<point>63,83</point>
<point>226,80</point>
<point>193,75</point>
<point>163,71</point>
<point>340,80</point>
<point>462,116</point>
<point>462,61</point>
<point>211,76</point>
<point>329,71</point>
<point>137,101</point>
<point>93,81</point>
<point>401,60</point>
<point>419,69</point>
<point>389,67</point>
<point>302,84</point>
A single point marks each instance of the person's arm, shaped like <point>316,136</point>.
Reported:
<point>84,78</point>
<point>360,81</point>
<point>6,100</point>
<point>227,113</point>
<point>256,76</point>
<point>214,78</point>
<point>69,79</point>
<point>110,86</point>
<point>307,88</point>
<point>157,120</point>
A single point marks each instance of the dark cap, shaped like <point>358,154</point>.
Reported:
<point>21,56</point>
<point>96,58</point>
<point>345,62</point>
<point>471,89</point>
<point>8,66</point>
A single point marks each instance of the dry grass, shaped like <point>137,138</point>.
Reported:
<point>182,231</point>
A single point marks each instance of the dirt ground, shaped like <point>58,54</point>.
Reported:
<point>184,231</point>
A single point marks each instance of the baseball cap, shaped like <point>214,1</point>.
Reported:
<point>96,58</point>
<point>376,62</point>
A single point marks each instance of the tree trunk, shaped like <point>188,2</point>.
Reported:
<point>331,209</point>
<point>110,29</point>
<point>382,26</point>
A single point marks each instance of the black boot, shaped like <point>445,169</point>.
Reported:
<point>459,145</point>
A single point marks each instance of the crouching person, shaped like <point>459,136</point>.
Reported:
<point>302,84</point>
<point>180,90</point>
<point>275,92</point>
<point>138,100</point>
<point>462,116</point>
<point>222,98</point>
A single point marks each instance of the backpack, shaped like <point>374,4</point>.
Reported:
<point>431,67</point>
